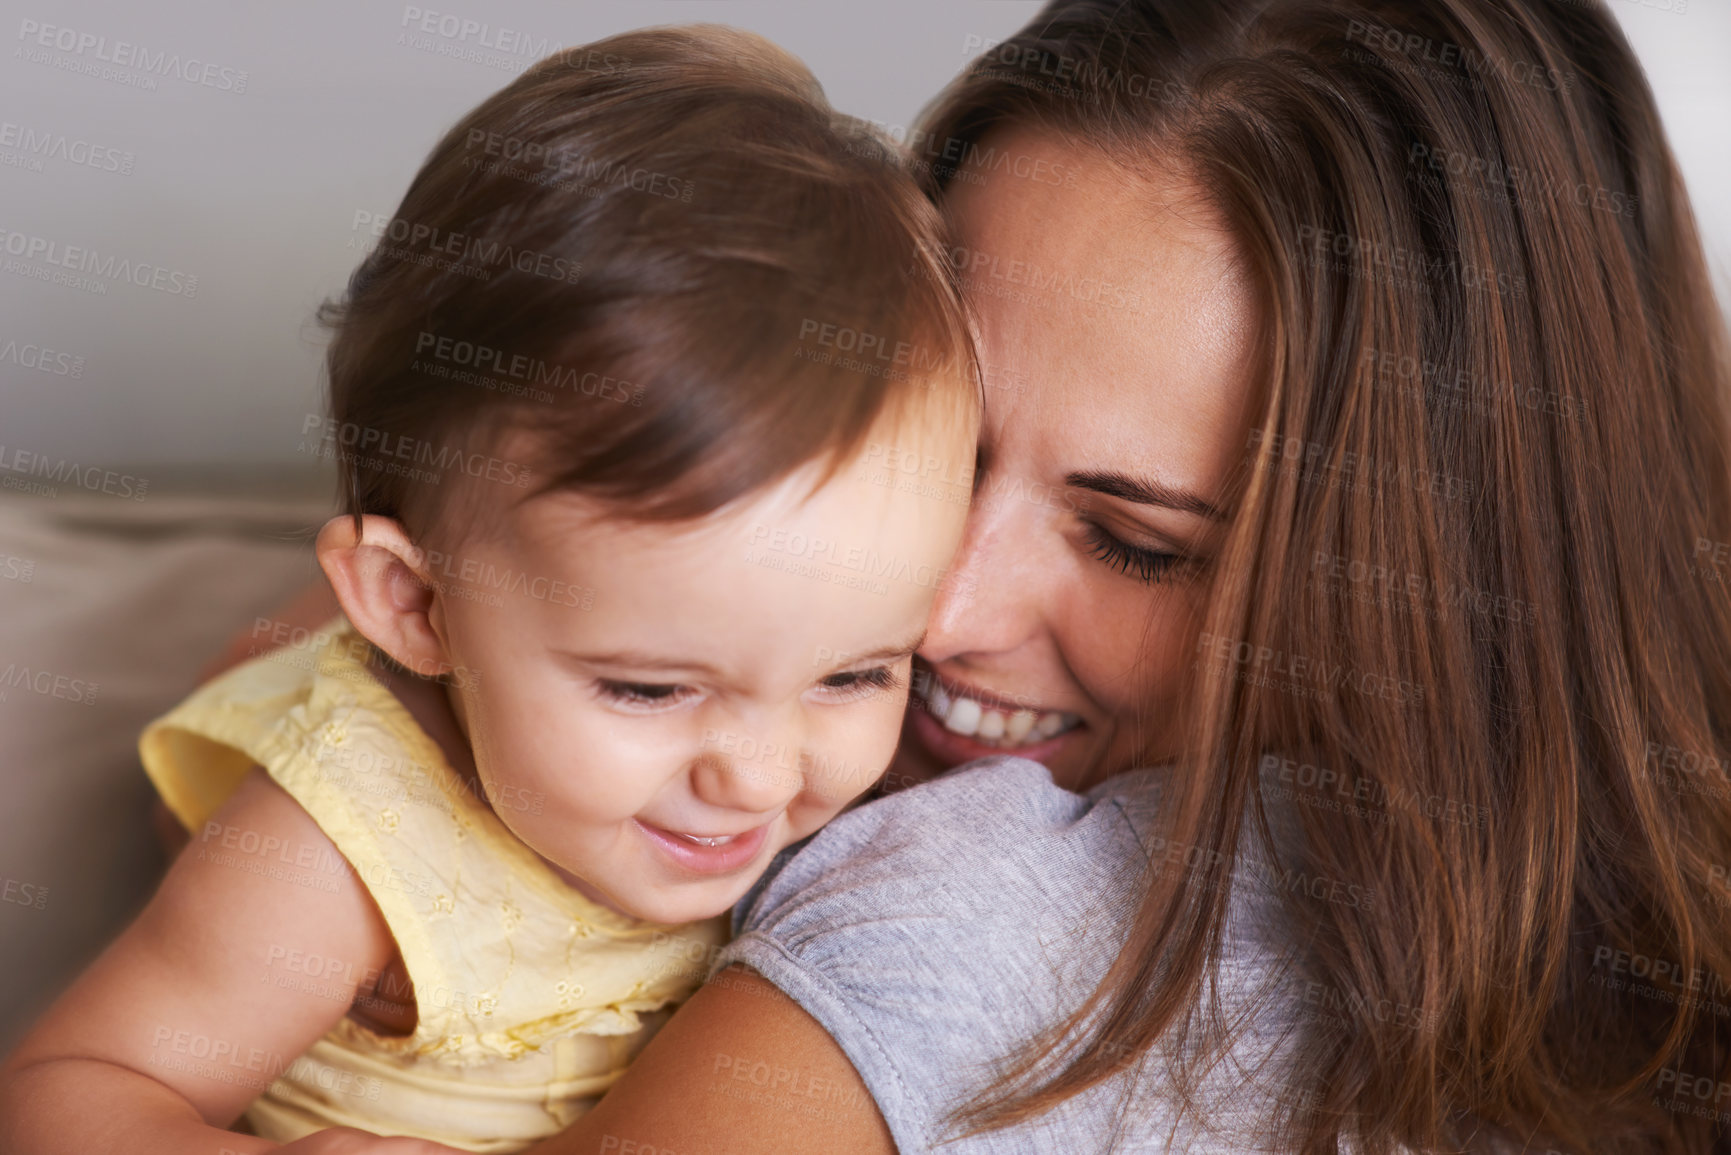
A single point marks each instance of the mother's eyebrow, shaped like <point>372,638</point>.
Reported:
<point>1142,491</point>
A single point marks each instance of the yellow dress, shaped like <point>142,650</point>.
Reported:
<point>532,998</point>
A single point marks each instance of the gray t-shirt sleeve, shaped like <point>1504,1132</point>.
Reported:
<point>935,932</point>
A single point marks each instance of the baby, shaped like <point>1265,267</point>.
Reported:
<point>619,624</point>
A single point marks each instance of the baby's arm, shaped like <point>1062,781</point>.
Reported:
<point>182,1022</point>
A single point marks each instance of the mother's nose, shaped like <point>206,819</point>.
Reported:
<point>994,597</point>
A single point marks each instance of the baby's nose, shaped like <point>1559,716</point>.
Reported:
<point>762,783</point>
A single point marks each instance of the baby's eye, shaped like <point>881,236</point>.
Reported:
<point>642,695</point>
<point>852,684</point>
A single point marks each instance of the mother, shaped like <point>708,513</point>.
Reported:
<point>1355,448</point>
<point>1355,453</point>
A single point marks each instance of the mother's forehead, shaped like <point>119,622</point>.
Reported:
<point>1113,303</point>
<point>1107,248</point>
<point>1152,196</point>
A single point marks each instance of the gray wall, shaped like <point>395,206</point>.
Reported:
<point>255,192</point>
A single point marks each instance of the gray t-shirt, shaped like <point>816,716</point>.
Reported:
<point>936,931</point>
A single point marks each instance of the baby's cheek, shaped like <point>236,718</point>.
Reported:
<point>853,760</point>
<point>576,764</point>
<point>570,791</point>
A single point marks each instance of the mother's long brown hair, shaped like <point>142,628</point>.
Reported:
<point>1470,620</point>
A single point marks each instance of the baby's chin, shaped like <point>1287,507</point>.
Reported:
<point>637,880</point>
<point>676,905</point>
<point>670,903</point>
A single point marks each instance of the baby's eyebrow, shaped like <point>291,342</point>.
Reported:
<point>892,651</point>
<point>641,660</point>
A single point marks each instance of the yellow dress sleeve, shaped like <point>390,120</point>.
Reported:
<point>197,753</point>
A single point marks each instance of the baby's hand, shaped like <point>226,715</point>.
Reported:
<point>348,1141</point>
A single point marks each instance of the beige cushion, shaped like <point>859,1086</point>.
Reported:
<point>131,598</point>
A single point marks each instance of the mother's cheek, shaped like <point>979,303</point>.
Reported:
<point>1138,646</point>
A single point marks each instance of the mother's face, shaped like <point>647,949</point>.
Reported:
<point>1116,331</point>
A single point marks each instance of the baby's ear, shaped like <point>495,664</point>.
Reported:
<point>381,580</point>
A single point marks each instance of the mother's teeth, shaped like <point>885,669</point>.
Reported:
<point>964,717</point>
<point>994,727</point>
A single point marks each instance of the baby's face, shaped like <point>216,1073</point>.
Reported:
<point>659,709</point>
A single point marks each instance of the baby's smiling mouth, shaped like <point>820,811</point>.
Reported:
<point>702,839</point>
<point>708,853</point>
<point>988,720</point>
<point>717,840</point>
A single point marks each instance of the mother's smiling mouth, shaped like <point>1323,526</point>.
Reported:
<point>988,719</point>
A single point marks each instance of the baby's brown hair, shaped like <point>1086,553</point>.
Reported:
<point>668,258</point>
